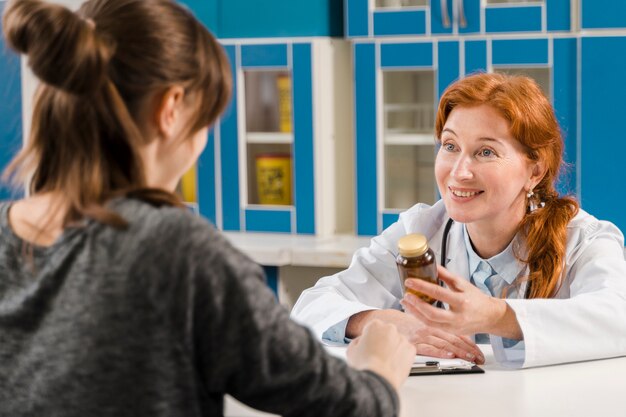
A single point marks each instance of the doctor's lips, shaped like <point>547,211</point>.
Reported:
<point>465,193</point>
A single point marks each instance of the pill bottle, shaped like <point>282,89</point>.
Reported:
<point>416,260</point>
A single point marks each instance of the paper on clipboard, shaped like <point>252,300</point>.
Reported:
<point>426,365</point>
<point>453,363</point>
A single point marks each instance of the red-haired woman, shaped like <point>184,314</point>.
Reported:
<point>525,268</point>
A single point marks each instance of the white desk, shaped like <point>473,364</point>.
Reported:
<point>586,389</point>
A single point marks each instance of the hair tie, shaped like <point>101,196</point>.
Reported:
<point>532,202</point>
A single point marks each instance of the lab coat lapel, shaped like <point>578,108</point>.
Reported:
<point>456,261</point>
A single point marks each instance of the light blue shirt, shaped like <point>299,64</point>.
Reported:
<point>496,277</point>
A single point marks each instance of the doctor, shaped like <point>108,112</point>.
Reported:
<point>524,269</point>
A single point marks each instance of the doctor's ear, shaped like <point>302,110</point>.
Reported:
<point>538,172</point>
<point>168,111</point>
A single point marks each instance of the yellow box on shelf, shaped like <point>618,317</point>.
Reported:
<point>283,83</point>
<point>188,187</point>
<point>273,172</point>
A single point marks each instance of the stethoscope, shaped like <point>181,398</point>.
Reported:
<point>442,261</point>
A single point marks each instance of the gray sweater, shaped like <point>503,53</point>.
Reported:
<point>161,319</point>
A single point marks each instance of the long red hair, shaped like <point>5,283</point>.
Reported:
<point>533,123</point>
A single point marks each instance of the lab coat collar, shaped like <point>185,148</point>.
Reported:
<point>456,254</point>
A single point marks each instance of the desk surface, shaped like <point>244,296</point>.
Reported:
<point>585,389</point>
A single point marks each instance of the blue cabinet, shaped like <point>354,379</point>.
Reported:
<point>602,14</point>
<point>397,88</point>
<point>269,166</point>
<point>601,171</point>
<point>10,108</point>
<point>377,18</point>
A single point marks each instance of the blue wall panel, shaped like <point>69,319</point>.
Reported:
<point>206,180</point>
<point>357,18</point>
<point>10,109</point>
<point>400,23</point>
<point>475,56</point>
<point>565,86</point>
<point>602,160</point>
<point>513,19</point>
<point>558,14</point>
<point>600,14</point>
<point>207,11</point>
<point>276,221</point>
<point>273,18</point>
<point>448,56</point>
<point>406,55</point>
<point>304,153</point>
<point>365,146</point>
<point>519,52</point>
<point>274,55</point>
<point>229,156</point>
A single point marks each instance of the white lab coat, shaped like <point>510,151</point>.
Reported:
<point>586,319</point>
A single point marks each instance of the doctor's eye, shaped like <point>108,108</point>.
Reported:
<point>486,152</point>
<point>449,147</point>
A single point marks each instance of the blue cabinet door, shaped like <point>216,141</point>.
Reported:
<point>371,59</point>
<point>602,173</point>
<point>602,14</point>
<point>10,109</point>
<point>454,17</point>
<point>221,171</point>
<point>544,16</point>
<point>363,20</point>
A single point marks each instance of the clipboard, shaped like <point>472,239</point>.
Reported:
<point>433,366</point>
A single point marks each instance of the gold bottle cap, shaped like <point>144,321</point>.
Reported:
<point>412,245</point>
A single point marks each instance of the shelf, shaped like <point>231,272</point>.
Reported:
<point>270,137</point>
<point>418,139</point>
<point>297,250</point>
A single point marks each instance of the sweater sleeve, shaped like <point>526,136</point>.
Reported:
<point>249,348</point>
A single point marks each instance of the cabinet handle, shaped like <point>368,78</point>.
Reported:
<point>462,20</point>
<point>445,17</point>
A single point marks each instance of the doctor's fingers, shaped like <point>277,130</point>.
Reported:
<point>453,282</point>
<point>462,343</point>
<point>446,345</point>
<point>435,291</point>
<point>426,313</point>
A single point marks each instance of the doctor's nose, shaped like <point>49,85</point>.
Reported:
<point>462,169</point>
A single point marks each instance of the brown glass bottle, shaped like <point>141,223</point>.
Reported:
<point>416,260</point>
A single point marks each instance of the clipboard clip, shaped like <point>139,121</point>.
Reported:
<point>435,367</point>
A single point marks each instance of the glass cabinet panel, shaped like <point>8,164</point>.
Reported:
<point>409,175</point>
<point>513,1</point>
<point>269,173</point>
<point>400,3</point>
<point>409,103</point>
<point>269,137</point>
<point>409,145</point>
<point>268,101</point>
<point>540,75</point>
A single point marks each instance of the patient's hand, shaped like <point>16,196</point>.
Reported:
<point>428,341</point>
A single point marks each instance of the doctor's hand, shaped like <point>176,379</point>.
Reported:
<point>428,340</point>
<point>382,349</point>
<point>470,310</point>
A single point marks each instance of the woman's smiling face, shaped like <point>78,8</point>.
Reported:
<point>482,171</point>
